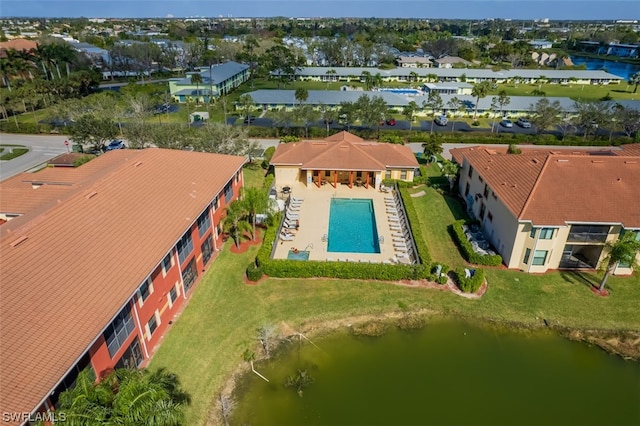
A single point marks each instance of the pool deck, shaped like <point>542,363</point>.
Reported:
<point>314,224</point>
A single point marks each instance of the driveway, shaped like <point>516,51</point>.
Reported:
<point>41,150</point>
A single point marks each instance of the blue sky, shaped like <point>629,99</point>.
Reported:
<point>461,9</point>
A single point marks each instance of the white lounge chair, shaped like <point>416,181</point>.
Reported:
<point>297,199</point>
<point>286,237</point>
<point>396,244</point>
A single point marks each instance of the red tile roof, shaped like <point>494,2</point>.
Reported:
<point>344,151</point>
<point>68,266</point>
<point>553,188</point>
<point>19,44</point>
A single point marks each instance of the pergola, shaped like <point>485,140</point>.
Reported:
<point>354,177</point>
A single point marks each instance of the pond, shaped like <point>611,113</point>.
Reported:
<point>620,69</point>
<point>448,373</point>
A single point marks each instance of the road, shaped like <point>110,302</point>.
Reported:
<point>41,149</point>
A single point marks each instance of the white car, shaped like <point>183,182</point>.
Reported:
<point>506,123</point>
<point>524,123</point>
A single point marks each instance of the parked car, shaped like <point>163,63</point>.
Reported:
<point>506,123</point>
<point>442,120</point>
<point>391,122</point>
<point>524,123</point>
<point>115,144</point>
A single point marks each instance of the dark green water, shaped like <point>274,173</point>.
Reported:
<point>448,373</point>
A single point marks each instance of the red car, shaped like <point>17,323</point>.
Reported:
<point>391,122</point>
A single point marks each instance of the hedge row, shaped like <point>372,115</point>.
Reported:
<point>467,250</point>
<point>414,225</point>
<point>469,285</point>
<point>285,268</point>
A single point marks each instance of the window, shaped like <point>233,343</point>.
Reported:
<point>482,210</point>
<point>527,253</point>
<point>185,246</point>
<point>132,357</point>
<point>466,190</point>
<point>216,203</point>
<point>493,194</point>
<point>533,232</point>
<point>490,217</point>
<point>207,249</point>
<point>119,329</point>
<point>387,174</point>
<point>189,275</point>
<point>470,171</point>
<point>152,324</point>
<point>144,290</point>
<point>539,257</point>
<point>166,262</point>
<point>588,233</point>
<point>204,222</point>
<point>173,295</point>
<point>327,173</point>
<point>546,233</point>
<point>486,191</point>
<point>403,174</point>
<point>480,178</point>
<point>228,192</point>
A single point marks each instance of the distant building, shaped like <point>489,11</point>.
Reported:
<point>413,62</point>
<point>611,49</point>
<point>18,44</point>
<point>217,80</point>
<point>451,88</point>
<point>541,44</point>
<point>450,61</point>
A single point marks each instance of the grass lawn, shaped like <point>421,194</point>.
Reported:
<point>13,153</point>
<point>573,91</point>
<point>206,343</point>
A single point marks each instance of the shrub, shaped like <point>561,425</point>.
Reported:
<point>513,149</point>
<point>410,322</point>
<point>392,139</point>
<point>467,250</point>
<point>469,285</point>
<point>254,273</point>
<point>287,139</point>
<point>442,280</point>
<point>373,329</point>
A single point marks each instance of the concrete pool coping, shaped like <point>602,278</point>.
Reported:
<point>313,216</point>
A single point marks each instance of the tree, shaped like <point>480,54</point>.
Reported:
<point>89,129</point>
<point>624,250</point>
<point>125,397</point>
<point>628,118</point>
<point>454,104</point>
<point>591,115</point>
<point>281,62</point>
<point>371,111</point>
<point>479,90</point>
<point>450,170</point>
<point>432,147</point>
<point>255,201</point>
<point>267,335</point>
<point>502,100</point>
<point>635,80</point>
<point>365,77</point>
<point>246,105</point>
<point>234,221</point>
<point>301,95</point>
<point>308,115</point>
<point>434,103</point>
<point>545,114</point>
<point>348,112</point>
<point>327,114</point>
<point>197,80</point>
<point>409,111</point>
<point>221,138</point>
<point>330,76</point>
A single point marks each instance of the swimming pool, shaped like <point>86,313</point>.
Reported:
<point>402,91</point>
<point>352,226</point>
<point>298,255</point>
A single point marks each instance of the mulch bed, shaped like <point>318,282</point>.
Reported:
<point>603,293</point>
<point>245,243</point>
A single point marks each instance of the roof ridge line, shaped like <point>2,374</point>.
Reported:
<point>535,186</point>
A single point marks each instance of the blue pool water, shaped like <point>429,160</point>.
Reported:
<point>352,226</point>
<point>402,91</point>
<point>300,255</point>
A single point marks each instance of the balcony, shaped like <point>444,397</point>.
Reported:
<point>588,234</point>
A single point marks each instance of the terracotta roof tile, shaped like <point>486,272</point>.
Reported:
<point>344,151</point>
<point>105,245</point>
<point>556,187</point>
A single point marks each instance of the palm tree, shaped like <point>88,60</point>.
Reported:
<point>301,96</point>
<point>197,80</point>
<point>432,147</point>
<point>125,397</point>
<point>409,111</point>
<point>377,80</point>
<point>413,76</point>
<point>479,90</point>
<point>366,78</point>
<point>255,201</point>
<point>331,73</point>
<point>234,222</point>
<point>434,103</point>
<point>453,104</point>
<point>246,105</point>
<point>635,80</point>
<point>624,250</point>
